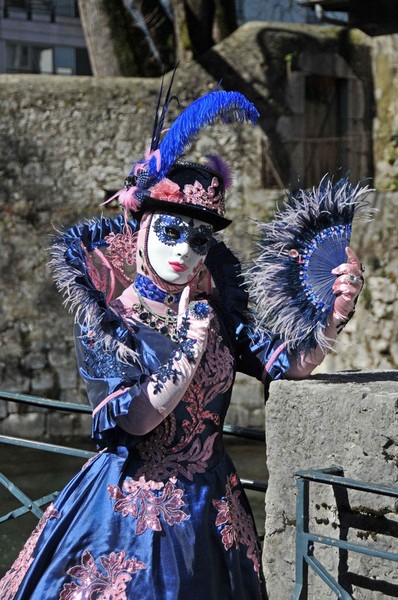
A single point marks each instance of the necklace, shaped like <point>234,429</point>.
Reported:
<point>165,324</point>
<point>147,289</point>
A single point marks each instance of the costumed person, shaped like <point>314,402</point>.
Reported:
<point>162,326</point>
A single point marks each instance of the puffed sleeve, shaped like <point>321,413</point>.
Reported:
<point>260,354</point>
<point>111,384</point>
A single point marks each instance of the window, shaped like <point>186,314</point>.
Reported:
<point>64,8</point>
<point>22,58</point>
<point>64,61</point>
<point>28,59</point>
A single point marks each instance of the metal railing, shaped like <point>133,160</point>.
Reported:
<point>306,540</point>
<point>34,506</point>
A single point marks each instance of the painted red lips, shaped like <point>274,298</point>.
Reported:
<point>178,267</point>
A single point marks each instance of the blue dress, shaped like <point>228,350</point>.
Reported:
<point>162,516</point>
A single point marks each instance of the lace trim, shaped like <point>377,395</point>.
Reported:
<point>147,500</point>
<point>12,580</point>
<point>110,582</point>
<point>235,524</point>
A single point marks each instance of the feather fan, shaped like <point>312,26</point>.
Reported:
<point>290,279</point>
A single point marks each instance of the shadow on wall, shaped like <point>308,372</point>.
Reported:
<point>369,524</point>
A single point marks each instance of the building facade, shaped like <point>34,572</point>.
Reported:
<point>42,37</point>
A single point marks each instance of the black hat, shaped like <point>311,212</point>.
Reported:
<point>190,189</point>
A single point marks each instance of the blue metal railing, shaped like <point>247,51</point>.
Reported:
<point>306,540</point>
<point>34,506</point>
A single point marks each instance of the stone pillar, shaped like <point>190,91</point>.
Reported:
<point>348,419</point>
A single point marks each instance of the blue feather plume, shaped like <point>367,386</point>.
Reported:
<point>227,106</point>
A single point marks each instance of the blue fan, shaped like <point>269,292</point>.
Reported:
<point>290,279</point>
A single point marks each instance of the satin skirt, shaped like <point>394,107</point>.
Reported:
<point>110,536</point>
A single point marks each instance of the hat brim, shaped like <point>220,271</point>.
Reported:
<point>189,210</point>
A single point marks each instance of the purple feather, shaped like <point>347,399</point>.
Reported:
<point>214,161</point>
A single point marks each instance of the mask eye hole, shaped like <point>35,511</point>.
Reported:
<point>199,241</point>
<point>172,233</point>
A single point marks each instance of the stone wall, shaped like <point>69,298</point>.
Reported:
<point>346,419</point>
<point>385,76</point>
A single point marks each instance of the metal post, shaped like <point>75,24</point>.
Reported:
<point>300,591</point>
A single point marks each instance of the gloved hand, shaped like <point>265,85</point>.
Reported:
<point>193,323</point>
<point>348,284</point>
<point>164,390</point>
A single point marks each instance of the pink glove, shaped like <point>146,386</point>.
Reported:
<point>161,394</point>
<point>348,284</point>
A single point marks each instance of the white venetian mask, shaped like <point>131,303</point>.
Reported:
<point>177,246</point>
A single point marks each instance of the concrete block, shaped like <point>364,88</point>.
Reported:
<point>348,419</point>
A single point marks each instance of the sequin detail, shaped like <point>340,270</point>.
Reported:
<point>146,501</point>
<point>148,289</point>
<point>96,360</point>
<point>12,580</point>
<point>169,371</point>
<point>172,230</point>
<point>235,524</point>
<point>108,583</point>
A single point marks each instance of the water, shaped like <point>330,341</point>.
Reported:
<point>40,473</point>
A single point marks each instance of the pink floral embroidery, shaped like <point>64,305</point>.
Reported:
<point>235,523</point>
<point>189,454</point>
<point>140,501</point>
<point>94,584</point>
<point>11,581</point>
<point>113,264</point>
<point>121,252</point>
<point>195,193</point>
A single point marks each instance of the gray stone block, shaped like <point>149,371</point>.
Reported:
<point>30,425</point>
<point>347,419</point>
